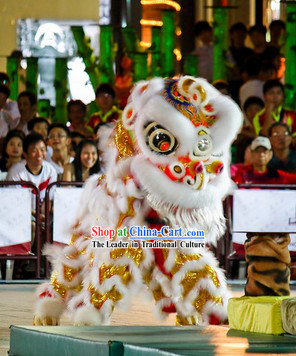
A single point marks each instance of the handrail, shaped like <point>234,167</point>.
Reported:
<point>37,200</point>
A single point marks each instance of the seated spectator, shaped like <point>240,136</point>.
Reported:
<point>267,71</point>
<point>10,105</point>
<point>59,140</point>
<point>258,172</point>
<point>273,55</point>
<point>76,115</point>
<point>108,112</point>
<point>284,158</point>
<point>76,138</point>
<point>39,125</point>
<point>34,168</point>
<point>257,34</point>
<point>252,105</point>
<point>237,55</point>
<point>5,118</point>
<point>204,34</point>
<point>273,111</point>
<point>123,80</point>
<point>12,149</point>
<point>27,104</point>
<point>85,164</point>
<point>253,86</point>
<point>277,30</point>
<point>222,86</point>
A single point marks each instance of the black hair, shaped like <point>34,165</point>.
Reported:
<point>28,94</point>
<point>258,28</point>
<point>274,83</point>
<point>8,137</point>
<point>105,88</point>
<point>278,23</point>
<point>4,90</point>
<point>201,26</point>
<point>4,77</point>
<point>239,26</point>
<point>252,65</point>
<point>76,103</point>
<point>32,139</point>
<point>270,53</point>
<point>77,161</point>
<point>221,84</point>
<point>60,126</point>
<point>37,120</point>
<point>267,65</point>
<point>74,134</point>
<point>253,100</point>
<point>280,123</point>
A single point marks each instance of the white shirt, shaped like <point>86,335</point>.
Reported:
<point>251,88</point>
<point>20,172</point>
<point>4,123</point>
<point>59,169</point>
<point>12,108</point>
<point>24,129</point>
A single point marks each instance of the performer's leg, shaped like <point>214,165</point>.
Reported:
<point>199,289</point>
<point>68,267</point>
<point>114,278</point>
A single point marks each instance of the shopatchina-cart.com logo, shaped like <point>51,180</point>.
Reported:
<point>144,237</point>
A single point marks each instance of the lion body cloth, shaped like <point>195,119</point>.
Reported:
<point>166,156</point>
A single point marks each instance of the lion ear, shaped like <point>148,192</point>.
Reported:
<point>228,124</point>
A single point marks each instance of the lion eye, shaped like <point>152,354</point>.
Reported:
<point>160,140</point>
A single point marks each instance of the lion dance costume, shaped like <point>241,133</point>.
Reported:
<point>165,155</point>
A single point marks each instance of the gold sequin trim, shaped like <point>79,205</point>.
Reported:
<point>136,254</point>
<point>203,297</point>
<point>58,287</point>
<point>70,273</point>
<point>129,213</point>
<point>111,270</point>
<point>98,299</point>
<point>182,321</point>
<point>181,259</point>
<point>123,142</point>
<point>191,278</point>
<point>158,294</point>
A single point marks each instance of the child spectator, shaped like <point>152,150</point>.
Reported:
<point>86,163</point>
<point>76,115</point>
<point>12,149</point>
<point>108,112</point>
<point>283,157</point>
<point>59,140</point>
<point>27,104</point>
<point>273,111</point>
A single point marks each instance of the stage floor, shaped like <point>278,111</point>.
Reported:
<point>16,304</point>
